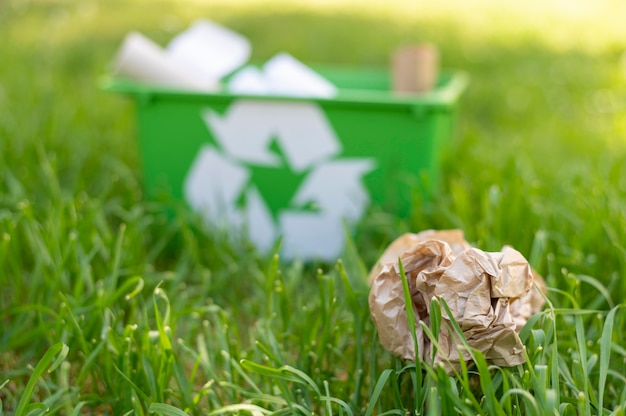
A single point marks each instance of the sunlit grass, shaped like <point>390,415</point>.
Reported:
<point>160,316</point>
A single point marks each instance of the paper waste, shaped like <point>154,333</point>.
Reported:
<point>142,60</point>
<point>210,50</point>
<point>200,57</point>
<point>281,75</point>
<point>491,296</point>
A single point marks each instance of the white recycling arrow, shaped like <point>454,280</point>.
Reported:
<point>311,235</point>
<point>218,178</point>
<point>213,185</point>
<point>247,129</point>
<point>336,187</point>
<point>259,222</point>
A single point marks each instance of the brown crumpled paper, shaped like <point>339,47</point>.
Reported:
<point>491,296</point>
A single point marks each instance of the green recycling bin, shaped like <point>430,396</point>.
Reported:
<point>295,168</point>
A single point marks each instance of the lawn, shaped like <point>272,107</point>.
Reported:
<point>111,305</point>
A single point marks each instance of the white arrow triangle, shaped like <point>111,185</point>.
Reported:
<point>305,135</point>
<point>243,133</point>
<point>214,184</point>
<point>335,187</point>
<point>311,235</point>
<point>247,129</point>
<point>259,222</point>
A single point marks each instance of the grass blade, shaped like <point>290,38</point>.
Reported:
<point>235,408</point>
<point>165,410</point>
<point>408,304</point>
<point>378,388</point>
<point>598,286</point>
<point>605,354</point>
<point>48,361</point>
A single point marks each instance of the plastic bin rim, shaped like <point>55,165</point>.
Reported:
<point>445,96</point>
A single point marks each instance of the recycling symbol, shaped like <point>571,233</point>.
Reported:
<point>274,170</point>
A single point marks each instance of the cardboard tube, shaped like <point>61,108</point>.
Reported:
<point>142,60</point>
<point>415,68</point>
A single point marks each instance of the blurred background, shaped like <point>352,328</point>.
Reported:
<point>540,141</point>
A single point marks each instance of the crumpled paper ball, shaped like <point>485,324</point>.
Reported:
<point>491,296</point>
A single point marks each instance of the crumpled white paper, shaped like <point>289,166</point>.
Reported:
<point>200,57</point>
<point>209,50</point>
<point>142,60</point>
<point>282,75</point>
<point>491,296</point>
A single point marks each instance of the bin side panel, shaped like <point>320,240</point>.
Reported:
<point>404,146</point>
<point>171,132</point>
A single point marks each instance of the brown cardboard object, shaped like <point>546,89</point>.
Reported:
<point>491,296</point>
<point>415,68</point>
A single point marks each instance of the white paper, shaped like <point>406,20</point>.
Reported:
<point>249,81</point>
<point>282,75</point>
<point>288,76</point>
<point>209,50</point>
<point>143,60</point>
<point>201,56</point>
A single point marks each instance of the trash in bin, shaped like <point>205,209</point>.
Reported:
<point>292,166</point>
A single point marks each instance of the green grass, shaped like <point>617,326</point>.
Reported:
<point>108,307</point>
